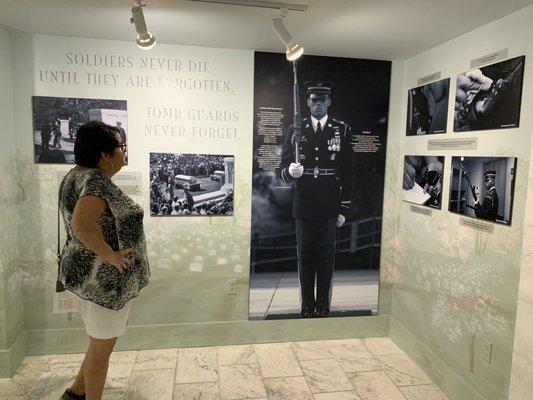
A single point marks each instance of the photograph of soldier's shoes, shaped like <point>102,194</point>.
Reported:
<point>308,312</point>
<point>322,312</point>
<point>69,395</point>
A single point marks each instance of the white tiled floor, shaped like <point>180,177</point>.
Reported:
<point>351,369</point>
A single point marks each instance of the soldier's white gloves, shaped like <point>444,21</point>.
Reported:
<point>296,170</point>
<point>340,220</point>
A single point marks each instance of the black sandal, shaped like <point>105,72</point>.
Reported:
<point>70,395</point>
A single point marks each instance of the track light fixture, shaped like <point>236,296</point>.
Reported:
<point>294,49</point>
<point>145,40</point>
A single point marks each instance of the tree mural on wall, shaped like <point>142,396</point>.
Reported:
<point>9,197</point>
<point>466,305</point>
<point>389,267</point>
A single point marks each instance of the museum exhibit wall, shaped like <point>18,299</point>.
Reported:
<point>455,287</point>
<point>170,92</point>
<point>10,299</point>
<point>521,385</point>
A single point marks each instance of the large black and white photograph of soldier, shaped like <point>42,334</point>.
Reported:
<point>483,187</point>
<point>320,132</point>
<point>56,121</point>
<point>422,180</point>
<point>191,184</point>
<point>427,108</point>
<point>489,97</point>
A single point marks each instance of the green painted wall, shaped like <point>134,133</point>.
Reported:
<point>455,288</point>
<point>10,290</point>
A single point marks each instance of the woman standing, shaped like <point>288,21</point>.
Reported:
<point>103,262</point>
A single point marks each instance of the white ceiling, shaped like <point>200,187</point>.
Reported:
<point>377,29</point>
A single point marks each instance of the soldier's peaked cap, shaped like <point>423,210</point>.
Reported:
<point>319,87</point>
<point>488,173</point>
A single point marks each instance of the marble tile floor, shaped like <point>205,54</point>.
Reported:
<point>347,369</point>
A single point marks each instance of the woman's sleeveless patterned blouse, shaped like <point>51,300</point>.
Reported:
<point>87,274</point>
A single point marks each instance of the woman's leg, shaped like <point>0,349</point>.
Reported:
<point>78,387</point>
<point>94,368</point>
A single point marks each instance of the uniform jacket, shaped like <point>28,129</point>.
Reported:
<point>489,208</point>
<point>323,196</point>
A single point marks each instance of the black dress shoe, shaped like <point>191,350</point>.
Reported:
<point>69,395</point>
<point>308,312</point>
<point>322,312</point>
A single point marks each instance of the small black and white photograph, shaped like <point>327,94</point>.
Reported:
<point>422,180</point>
<point>483,187</point>
<point>56,121</point>
<point>191,184</point>
<point>489,97</point>
<point>427,108</point>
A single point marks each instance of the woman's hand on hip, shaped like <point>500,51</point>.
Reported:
<point>121,259</point>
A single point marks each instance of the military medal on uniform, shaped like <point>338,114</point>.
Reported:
<point>337,141</point>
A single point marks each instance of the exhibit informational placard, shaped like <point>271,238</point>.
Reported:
<point>130,182</point>
<point>57,119</point>
<point>191,184</point>
<point>64,303</point>
<point>427,108</point>
<point>457,143</point>
<point>489,97</point>
<point>317,192</point>
<point>483,187</point>
<point>422,180</point>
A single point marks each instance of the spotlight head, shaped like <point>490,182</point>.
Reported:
<point>145,40</point>
<point>294,49</point>
<point>295,52</point>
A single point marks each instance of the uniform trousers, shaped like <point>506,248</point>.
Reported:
<point>316,260</point>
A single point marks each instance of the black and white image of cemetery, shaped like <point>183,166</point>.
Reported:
<point>57,119</point>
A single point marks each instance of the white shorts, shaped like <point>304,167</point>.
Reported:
<point>101,322</point>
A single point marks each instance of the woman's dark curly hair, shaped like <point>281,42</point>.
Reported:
<point>93,139</point>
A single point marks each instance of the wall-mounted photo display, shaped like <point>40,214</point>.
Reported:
<point>191,184</point>
<point>317,192</point>
<point>427,108</point>
<point>483,187</point>
<point>489,97</point>
<point>57,119</point>
<point>422,180</point>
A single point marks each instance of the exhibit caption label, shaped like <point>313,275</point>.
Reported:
<point>489,58</point>
<point>429,78</point>
<point>129,182</point>
<point>420,210</point>
<point>453,144</point>
<point>477,225</point>
<point>64,303</point>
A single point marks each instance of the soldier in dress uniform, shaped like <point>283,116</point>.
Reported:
<point>324,179</point>
<point>488,209</point>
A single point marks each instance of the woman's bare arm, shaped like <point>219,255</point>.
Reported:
<point>85,227</point>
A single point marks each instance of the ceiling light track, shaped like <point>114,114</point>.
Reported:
<point>257,3</point>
